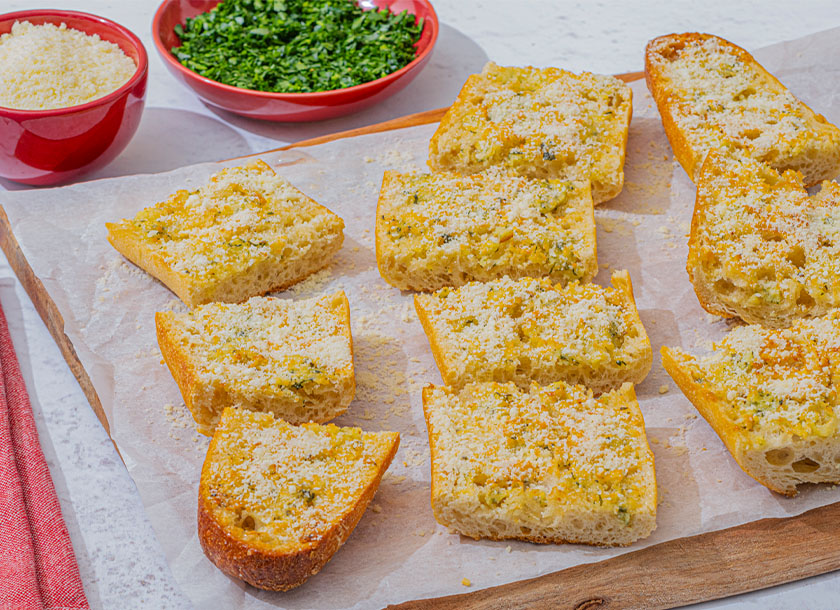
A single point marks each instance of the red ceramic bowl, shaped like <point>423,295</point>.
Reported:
<point>52,146</point>
<point>292,107</point>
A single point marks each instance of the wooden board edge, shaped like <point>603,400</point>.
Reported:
<point>49,313</point>
<point>409,120</point>
<point>708,566</point>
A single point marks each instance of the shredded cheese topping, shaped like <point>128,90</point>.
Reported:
<point>552,449</point>
<point>489,224</point>
<point>243,216</point>
<point>268,346</point>
<point>777,383</point>
<point>503,326</point>
<point>537,122</point>
<point>718,98</point>
<point>761,233</point>
<point>287,485</point>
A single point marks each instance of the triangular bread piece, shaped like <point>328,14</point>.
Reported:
<point>712,93</point>
<point>771,396</point>
<point>276,501</point>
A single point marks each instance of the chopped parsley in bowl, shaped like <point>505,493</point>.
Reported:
<point>296,46</point>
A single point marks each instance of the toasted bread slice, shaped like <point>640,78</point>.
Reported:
<point>550,465</point>
<point>712,94</point>
<point>291,358</point>
<point>276,501</point>
<point>436,230</point>
<point>760,247</point>
<point>539,123</point>
<point>531,330</point>
<point>772,397</point>
<point>245,233</point>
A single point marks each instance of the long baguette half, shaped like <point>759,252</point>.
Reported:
<point>712,94</point>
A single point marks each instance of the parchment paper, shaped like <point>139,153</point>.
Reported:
<point>398,552</point>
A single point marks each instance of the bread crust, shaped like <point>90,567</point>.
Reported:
<point>666,98</point>
<point>446,373</point>
<point>712,410</point>
<point>149,261</point>
<point>263,567</point>
<point>683,152</point>
<point>644,519</point>
<point>176,358</point>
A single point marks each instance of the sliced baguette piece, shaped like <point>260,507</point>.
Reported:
<point>532,330</point>
<point>548,465</point>
<point>760,247</point>
<point>712,94</point>
<point>245,233</point>
<point>276,501</point>
<point>437,230</point>
<point>540,123</point>
<point>290,358</point>
<point>772,397</point>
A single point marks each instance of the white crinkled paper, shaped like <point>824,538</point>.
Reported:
<point>398,552</point>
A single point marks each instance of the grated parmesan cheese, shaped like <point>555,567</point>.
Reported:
<point>48,66</point>
<point>268,481</point>
<point>765,249</point>
<point>540,123</point>
<point>530,329</point>
<point>535,462</point>
<point>777,383</point>
<point>435,230</point>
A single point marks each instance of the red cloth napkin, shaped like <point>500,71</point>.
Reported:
<point>38,569</point>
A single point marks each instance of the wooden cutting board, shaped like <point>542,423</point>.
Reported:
<point>678,572</point>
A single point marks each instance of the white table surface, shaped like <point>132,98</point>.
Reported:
<point>120,560</point>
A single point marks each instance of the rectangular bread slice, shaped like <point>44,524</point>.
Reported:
<point>540,123</point>
<point>532,330</point>
<point>760,247</point>
<point>548,465</point>
<point>712,94</point>
<point>290,358</point>
<point>772,397</point>
<point>276,501</point>
<point>245,233</point>
<point>436,230</point>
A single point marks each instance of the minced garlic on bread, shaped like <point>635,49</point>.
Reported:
<point>532,330</point>
<point>276,501</point>
<point>761,248</point>
<point>712,94</point>
<point>436,230</point>
<point>290,358</point>
<point>245,233</point>
<point>772,397</point>
<point>540,123</point>
<point>549,465</point>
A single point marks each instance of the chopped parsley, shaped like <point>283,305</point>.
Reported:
<point>296,46</point>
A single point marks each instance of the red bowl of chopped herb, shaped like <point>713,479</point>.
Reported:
<point>294,60</point>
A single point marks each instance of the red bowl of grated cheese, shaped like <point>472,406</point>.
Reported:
<point>41,144</point>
